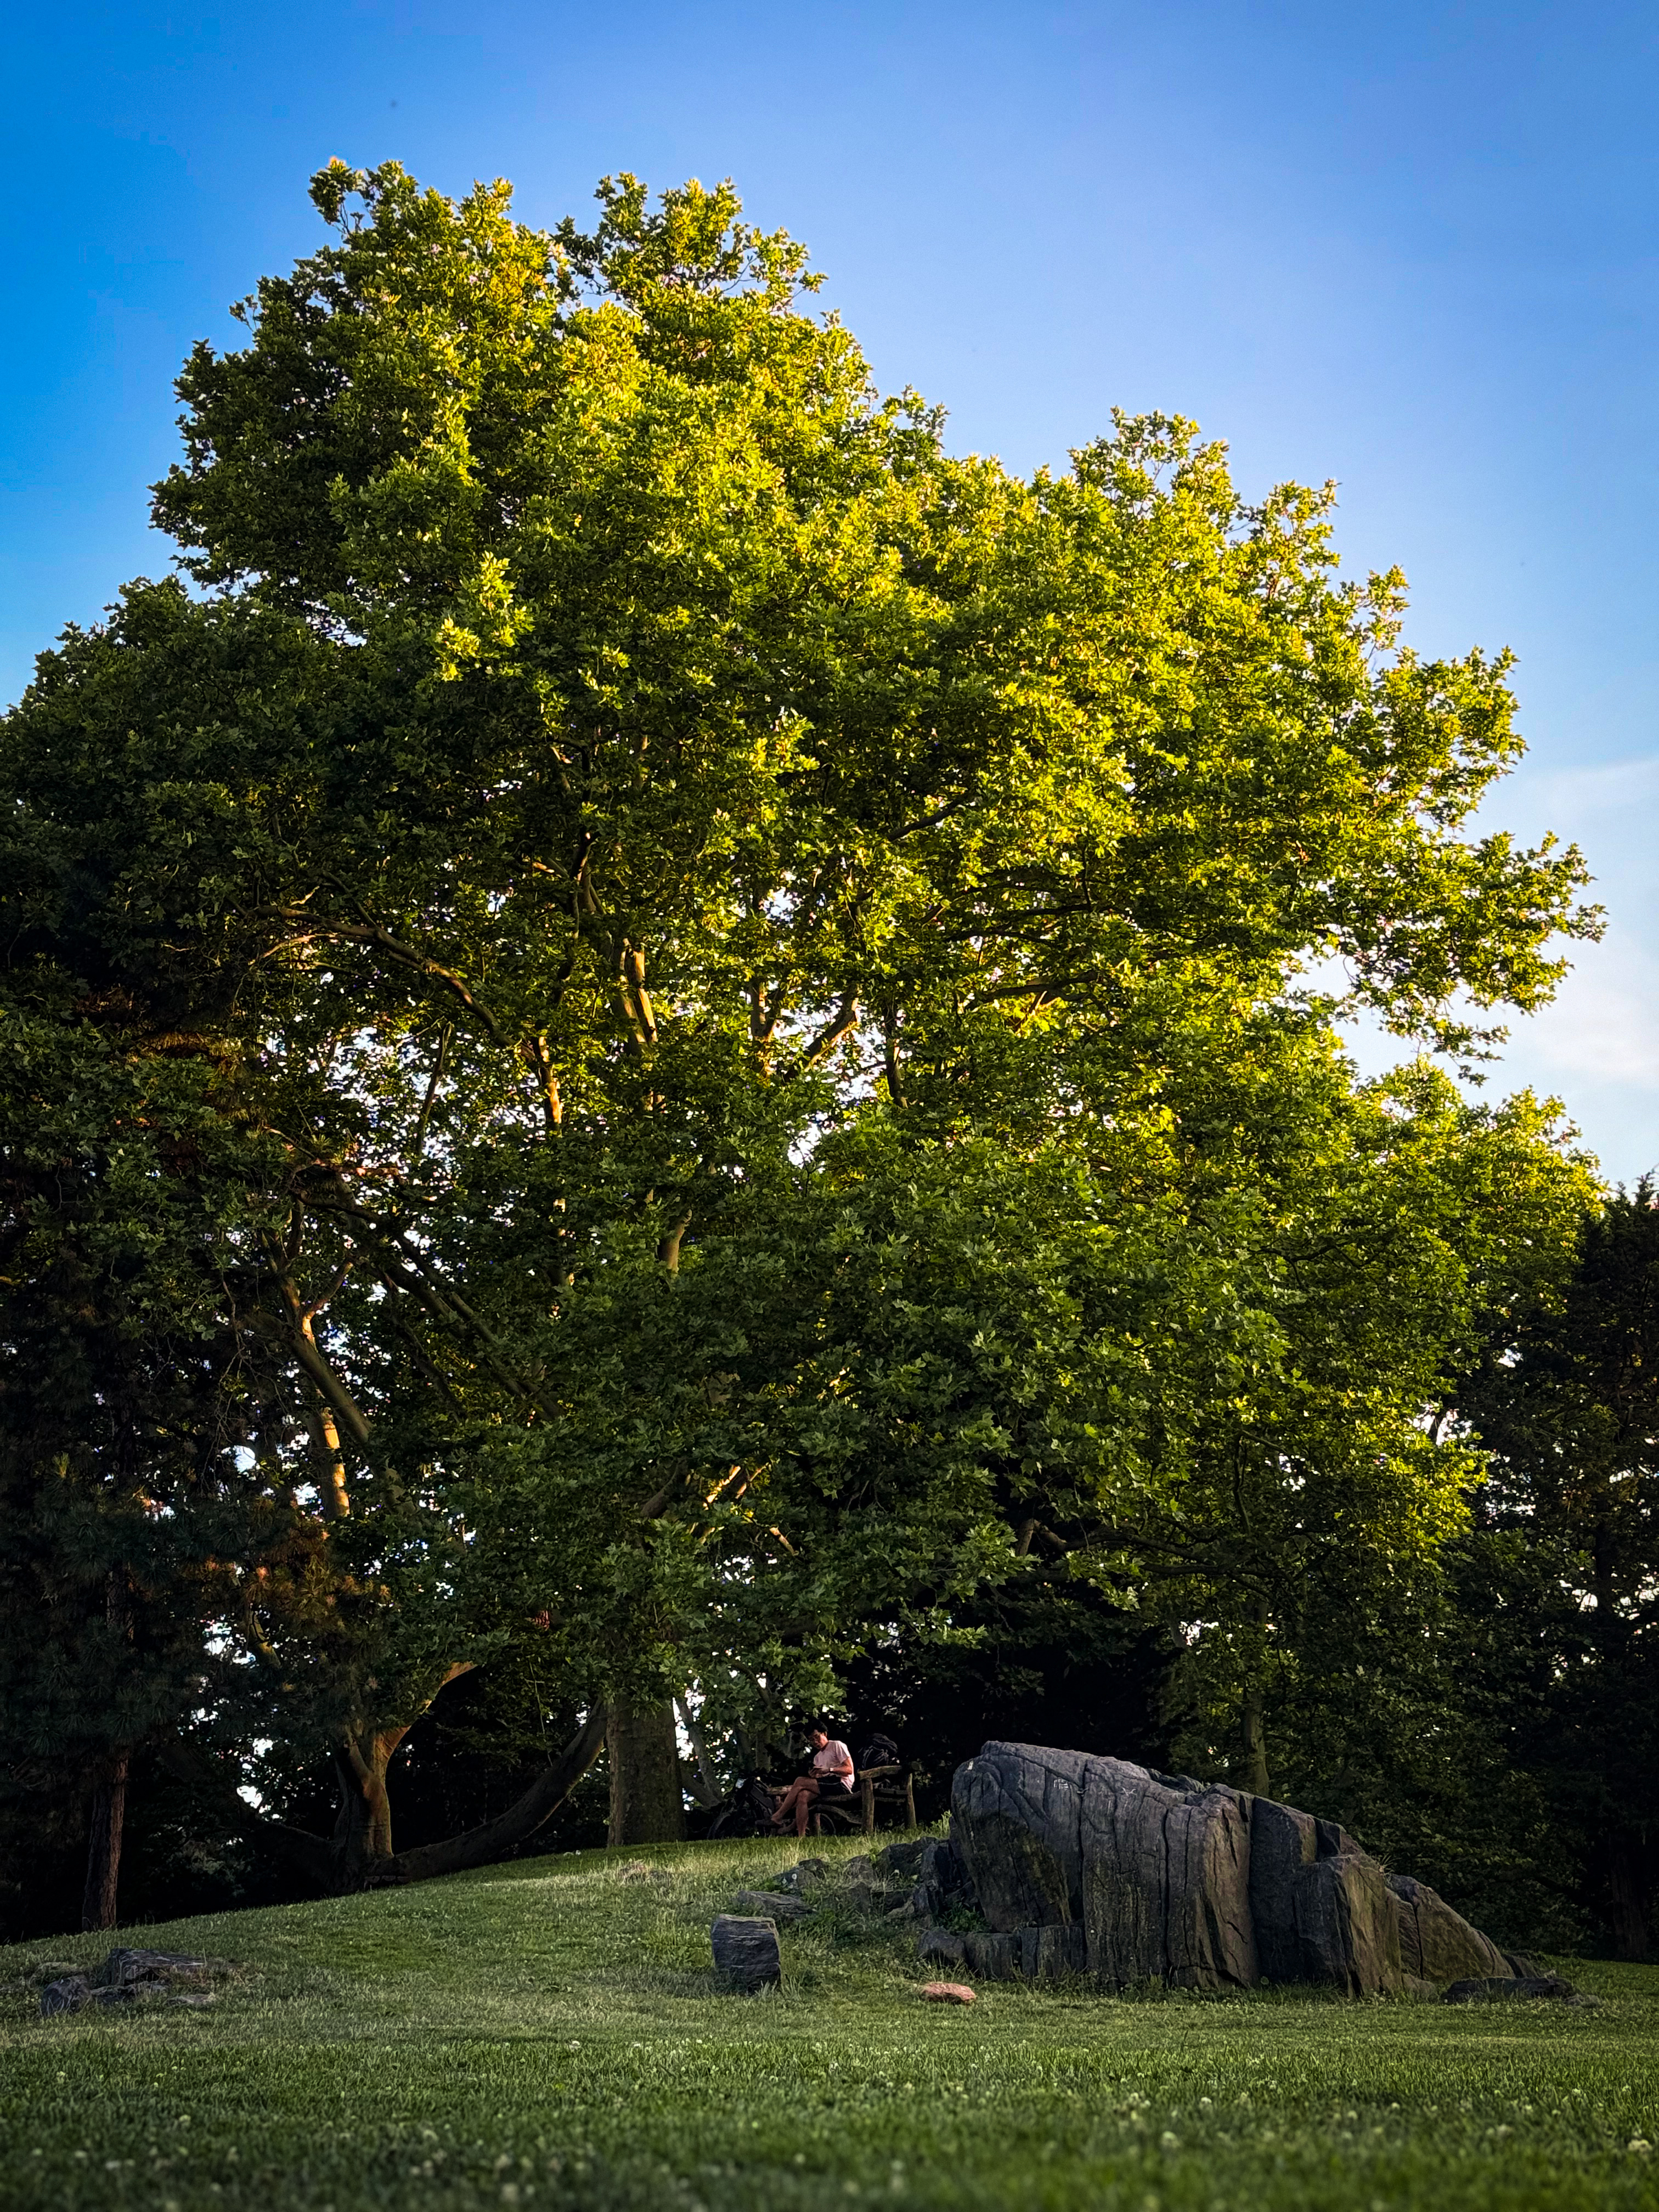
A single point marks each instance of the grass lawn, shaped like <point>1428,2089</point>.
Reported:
<point>547,2035</point>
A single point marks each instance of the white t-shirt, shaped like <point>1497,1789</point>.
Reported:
<point>834,1759</point>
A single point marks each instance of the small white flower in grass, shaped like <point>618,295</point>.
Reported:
<point>1169,2141</point>
<point>1638,2143</point>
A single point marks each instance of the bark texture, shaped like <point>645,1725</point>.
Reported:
<point>109,1809</point>
<point>1091,1865</point>
<point>646,1806</point>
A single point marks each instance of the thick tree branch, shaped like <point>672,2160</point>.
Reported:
<point>493,1839</point>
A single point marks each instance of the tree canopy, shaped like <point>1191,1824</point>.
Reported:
<point>709,1027</point>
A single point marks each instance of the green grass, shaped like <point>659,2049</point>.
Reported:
<point>547,2035</point>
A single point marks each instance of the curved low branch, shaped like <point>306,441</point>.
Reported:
<point>493,1838</point>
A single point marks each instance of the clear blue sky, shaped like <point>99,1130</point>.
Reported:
<point>1412,248</point>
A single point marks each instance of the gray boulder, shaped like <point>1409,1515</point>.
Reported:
<point>1152,1870</point>
<point>746,1952</point>
<point>1093,1865</point>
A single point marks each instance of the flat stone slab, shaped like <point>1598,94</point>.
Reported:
<point>947,1993</point>
<point>124,1967</point>
<point>746,1952</point>
<point>769,1905</point>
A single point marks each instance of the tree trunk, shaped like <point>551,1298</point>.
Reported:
<point>1628,1894</point>
<point>646,1806</point>
<point>1252,1724</point>
<point>320,1861</point>
<point>1253,1743</point>
<point>362,1832</point>
<point>109,1807</point>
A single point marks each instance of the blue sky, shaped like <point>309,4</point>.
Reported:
<point>1413,248</point>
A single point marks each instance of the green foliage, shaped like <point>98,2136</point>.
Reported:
<point>756,981</point>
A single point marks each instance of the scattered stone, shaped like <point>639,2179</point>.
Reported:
<point>941,1881</point>
<point>947,1993</point>
<point>806,1875</point>
<point>67,1995</point>
<point>859,1869</point>
<point>746,1952</point>
<point>901,1860</point>
<point>1494,1989</point>
<point>47,1970</point>
<point>133,1977</point>
<point>775,1904</point>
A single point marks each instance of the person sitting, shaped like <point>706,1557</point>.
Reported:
<point>831,1775</point>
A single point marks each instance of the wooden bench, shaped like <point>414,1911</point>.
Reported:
<point>873,1784</point>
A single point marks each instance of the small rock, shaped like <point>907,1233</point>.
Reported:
<point>766,1904</point>
<point>806,1874</point>
<point>901,1860</point>
<point>67,1995</point>
<point>746,1952</point>
<point>859,1869</point>
<point>947,1993</point>
<point>1493,1989</point>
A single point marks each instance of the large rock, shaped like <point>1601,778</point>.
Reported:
<point>1091,1865</point>
<point>1152,1870</point>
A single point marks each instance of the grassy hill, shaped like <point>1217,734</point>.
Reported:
<point>549,2034</point>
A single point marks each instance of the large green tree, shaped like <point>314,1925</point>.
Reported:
<point>763,971</point>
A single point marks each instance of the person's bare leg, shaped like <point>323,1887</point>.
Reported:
<point>804,1805</point>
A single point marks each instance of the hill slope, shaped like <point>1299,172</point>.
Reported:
<point>549,2034</point>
